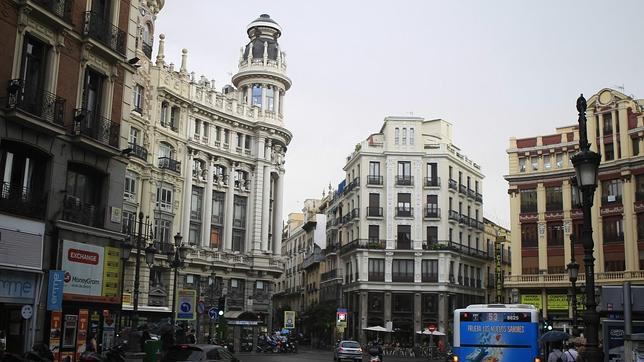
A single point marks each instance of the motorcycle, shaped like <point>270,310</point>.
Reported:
<point>39,353</point>
<point>114,354</point>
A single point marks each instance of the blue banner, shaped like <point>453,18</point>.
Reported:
<point>498,341</point>
<point>55,290</point>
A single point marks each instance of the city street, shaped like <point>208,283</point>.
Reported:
<point>308,355</point>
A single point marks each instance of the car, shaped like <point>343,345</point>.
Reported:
<point>198,352</point>
<point>348,350</point>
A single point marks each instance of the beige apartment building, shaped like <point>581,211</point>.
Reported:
<point>545,214</point>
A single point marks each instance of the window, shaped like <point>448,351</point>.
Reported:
<point>404,205</point>
<point>162,230</point>
<point>546,162</point>
<point>403,239</point>
<point>609,152</point>
<point>239,223</point>
<point>23,182</point>
<point>226,137</point>
<point>206,131</point>
<point>374,205</point>
<point>636,146</point>
<point>137,102</point>
<point>397,136</point>
<point>429,270</point>
<point>432,206</point>
<point>92,96</point>
<point>451,170</point>
<point>164,198</point>
<point>404,136</point>
<point>196,203</point>
<point>559,160</point>
<point>432,174</point>
<point>84,191</point>
<point>376,270</point>
<point>534,161</point>
<point>134,136</point>
<point>241,180</point>
<point>194,234</point>
<point>432,235</point>
<point>607,123</point>
<point>404,173</point>
<point>166,150</point>
<point>175,113</point>
<point>528,200</point>
<point>127,221</point>
<point>197,128</point>
<point>554,200</point>
<point>411,136</point>
<point>247,142</point>
<point>529,236</point>
<point>165,114</point>
<point>555,233</point>
<point>402,270</point>
<point>374,234</point>
<point>521,164</point>
<point>219,173</point>
<point>639,187</point>
<point>614,261</point>
<point>257,95</point>
<point>270,99</point>
<point>611,191</point>
<point>130,187</point>
<point>34,65</point>
<point>613,229</point>
<point>217,133</point>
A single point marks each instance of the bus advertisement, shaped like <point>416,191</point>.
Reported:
<point>496,333</point>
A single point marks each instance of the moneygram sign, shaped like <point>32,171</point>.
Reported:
<point>83,266</point>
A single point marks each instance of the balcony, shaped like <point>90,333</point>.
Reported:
<point>80,212</point>
<point>352,185</point>
<point>639,195</point>
<point>375,244</point>
<point>471,193</point>
<point>60,8</point>
<point>529,208</point>
<point>405,180</point>
<point>98,128</point>
<point>432,182</point>
<point>105,32</point>
<point>462,189</point>
<point>561,280</point>
<point>462,219</point>
<point>331,274</point>
<point>456,247</point>
<point>403,244</point>
<point>452,184</point>
<point>404,211</point>
<point>23,201</point>
<point>429,277</point>
<point>376,276</point>
<point>139,151</point>
<point>453,215</point>
<point>611,200</point>
<point>374,180</point>
<point>147,49</point>
<point>36,106</point>
<point>478,198</point>
<point>432,212</point>
<point>168,163</point>
<point>402,278</point>
<point>374,211</point>
<point>491,281</point>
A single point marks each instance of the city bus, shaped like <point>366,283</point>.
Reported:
<point>496,333</point>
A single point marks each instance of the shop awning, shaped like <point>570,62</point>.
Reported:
<point>147,308</point>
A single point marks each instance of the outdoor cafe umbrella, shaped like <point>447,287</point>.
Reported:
<point>377,329</point>
<point>430,333</point>
<point>554,336</point>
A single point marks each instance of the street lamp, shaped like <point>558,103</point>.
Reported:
<point>126,250</point>
<point>573,272</point>
<point>586,163</point>
<point>177,257</point>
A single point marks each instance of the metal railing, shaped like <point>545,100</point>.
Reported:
<point>432,181</point>
<point>554,206</point>
<point>462,189</point>
<point>60,8</point>
<point>479,197</point>
<point>139,151</point>
<point>453,184</point>
<point>331,274</point>
<point>432,212</point>
<point>404,211</point>
<point>80,212</point>
<point>403,245</point>
<point>16,199</point>
<point>169,164</point>
<point>374,211</point>
<point>99,128</point>
<point>376,276</point>
<point>147,49</point>
<point>639,195</point>
<point>454,215</point>
<point>533,279</point>
<point>405,180</point>
<point>404,278</point>
<point>101,29</point>
<point>40,103</point>
<point>471,193</point>
<point>364,244</point>
<point>529,208</point>
<point>429,277</point>
<point>374,180</point>
<point>611,199</point>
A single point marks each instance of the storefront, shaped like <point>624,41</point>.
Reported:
<point>18,290</point>
<point>244,329</point>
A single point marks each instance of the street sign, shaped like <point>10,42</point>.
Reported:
<point>213,313</point>
<point>186,304</point>
<point>201,307</point>
<point>341,318</point>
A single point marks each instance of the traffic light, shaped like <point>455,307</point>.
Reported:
<point>222,304</point>
<point>547,326</point>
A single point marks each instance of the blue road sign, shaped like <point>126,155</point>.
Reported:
<point>213,313</point>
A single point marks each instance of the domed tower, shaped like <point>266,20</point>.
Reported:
<point>261,79</point>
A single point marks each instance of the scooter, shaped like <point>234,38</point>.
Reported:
<point>114,354</point>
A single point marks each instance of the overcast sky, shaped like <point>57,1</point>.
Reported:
<point>495,69</point>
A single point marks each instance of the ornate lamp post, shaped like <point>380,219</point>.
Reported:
<point>126,249</point>
<point>586,164</point>
<point>177,257</point>
<point>573,272</point>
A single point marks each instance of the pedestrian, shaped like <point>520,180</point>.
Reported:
<point>145,336</point>
<point>167,340</point>
<point>557,354</point>
<point>571,354</point>
<point>191,337</point>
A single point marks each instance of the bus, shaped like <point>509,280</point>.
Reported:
<point>496,333</point>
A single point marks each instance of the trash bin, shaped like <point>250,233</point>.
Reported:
<point>151,350</point>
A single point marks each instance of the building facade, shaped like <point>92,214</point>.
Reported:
<point>209,165</point>
<point>405,230</point>
<point>545,214</point>
<point>64,68</point>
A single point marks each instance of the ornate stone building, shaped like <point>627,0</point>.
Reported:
<point>209,165</point>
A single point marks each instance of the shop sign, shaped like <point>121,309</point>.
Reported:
<point>83,266</point>
<point>111,270</point>
<point>186,300</point>
<point>54,334</point>
<point>557,302</point>
<point>109,330</point>
<point>534,299</point>
<point>17,287</point>
<point>341,318</point>
<point>127,298</point>
<point>81,337</point>
<point>289,319</point>
<point>55,290</point>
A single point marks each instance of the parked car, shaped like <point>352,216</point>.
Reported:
<point>350,350</point>
<point>198,352</point>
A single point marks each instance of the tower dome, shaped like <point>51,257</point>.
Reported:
<point>263,33</point>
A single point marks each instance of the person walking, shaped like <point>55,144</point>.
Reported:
<point>571,353</point>
<point>557,354</point>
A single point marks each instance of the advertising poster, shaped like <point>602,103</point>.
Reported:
<point>111,271</point>
<point>186,300</point>
<point>289,319</point>
<point>67,357</point>
<point>55,290</point>
<point>341,318</point>
<point>109,329</point>
<point>534,299</point>
<point>83,266</point>
<point>500,342</point>
<point>55,333</point>
<point>81,337</point>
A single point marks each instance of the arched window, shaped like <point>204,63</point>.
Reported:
<point>219,173</point>
<point>147,34</point>
<point>166,150</point>
<point>257,95</point>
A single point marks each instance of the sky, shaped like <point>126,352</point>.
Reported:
<point>494,69</point>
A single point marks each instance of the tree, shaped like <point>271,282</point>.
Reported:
<point>319,320</point>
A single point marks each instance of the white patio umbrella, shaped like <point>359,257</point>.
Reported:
<point>376,329</point>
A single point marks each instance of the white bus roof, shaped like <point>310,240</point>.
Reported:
<point>490,306</point>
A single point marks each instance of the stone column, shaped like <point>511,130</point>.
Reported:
<point>249,94</point>
<point>387,306</point>
<point>631,254</point>
<point>264,98</point>
<point>443,316</point>
<point>616,150</point>
<point>206,219</point>
<point>276,100</point>
<point>230,195</point>
<point>266,201</point>
<point>417,313</point>
<point>145,207</point>
<point>277,212</point>
<point>364,310</point>
<point>187,193</point>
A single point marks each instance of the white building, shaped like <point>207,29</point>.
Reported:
<point>406,229</point>
<point>209,165</point>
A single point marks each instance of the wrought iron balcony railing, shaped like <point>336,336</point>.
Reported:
<point>479,197</point>
<point>40,103</point>
<point>139,151</point>
<point>529,208</point>
<point>453,215</point>
<point>432,181</point>
<point>405,180</point>
<point>403,244</point>
<point>374,180</point>
<point>432,212</point>
<point>376,276</point>
<point>101,29</point>
<point>462,189</point>
<point>81,212</point>
<point>92,125</point>
<point>404,211</point>
<point>611,199</point>
<point>374,211</point>
<point>19,200</point>
<point>363,244</point>
<point>170,164</point>
<point>453,184</point>
<point>147,49</point>
<point>60,8</point>
<point>399,277</point>
<point>429,277</point>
